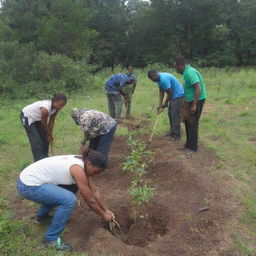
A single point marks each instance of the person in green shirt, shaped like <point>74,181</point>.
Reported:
<point>195,96</point>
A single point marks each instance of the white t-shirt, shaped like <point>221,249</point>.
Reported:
<point>33,112</point>
<point>51,170</point>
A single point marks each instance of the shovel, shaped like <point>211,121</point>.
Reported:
<point>114,226</point>
<point>151,136</point>
<point>51,149</point>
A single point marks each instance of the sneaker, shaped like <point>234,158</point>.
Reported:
<point>183,148</point>
<point>190,152</point>
<point>43,219</point>
<point>57,244</point>
<point>174,138</point>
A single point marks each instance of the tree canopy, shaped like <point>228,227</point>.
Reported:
<point>106,33</point>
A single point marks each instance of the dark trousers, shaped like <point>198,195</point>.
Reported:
<point>102,143</point>
<point>37,138</point>
<point>174,113</point>
<point>192,126</point>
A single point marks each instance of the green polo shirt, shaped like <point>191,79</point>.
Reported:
<point>191,76</point>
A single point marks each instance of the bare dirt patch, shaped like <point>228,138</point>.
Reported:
<point>171,223</point>
<point>133,124</point>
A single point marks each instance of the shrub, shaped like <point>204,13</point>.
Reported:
<point>25,72</point>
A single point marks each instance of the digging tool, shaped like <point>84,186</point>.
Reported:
<point>114,225</point>
<point>203,209</point>
<point>151,136</point>
<point>51,149</point>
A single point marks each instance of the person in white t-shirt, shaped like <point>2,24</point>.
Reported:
<point>38,121</point>
<point>39,183</point>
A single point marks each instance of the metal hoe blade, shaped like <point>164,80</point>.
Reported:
<point>114,225</point>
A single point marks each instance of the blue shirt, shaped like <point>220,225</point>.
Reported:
<point>116,82</point>
<point>167,81</point>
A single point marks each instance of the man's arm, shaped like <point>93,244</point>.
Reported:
<point>168,98</point>
<point>51,122</point>
<point>161,97</point>
<point>83,185</point>
<point>197,95</point>
<point>123,94</point>
<point>97,195</point>
<point>44,121</point>
<point>134,83</point>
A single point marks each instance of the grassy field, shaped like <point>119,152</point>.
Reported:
<point>227,128</point>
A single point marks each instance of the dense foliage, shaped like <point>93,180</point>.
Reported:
<point>58,43</point>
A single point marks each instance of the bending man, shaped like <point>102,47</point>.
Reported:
<point>114,90</point>
<point>170,85</point>
<point>97,127</point>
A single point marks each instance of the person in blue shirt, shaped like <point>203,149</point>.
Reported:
<point>170,85</point>
<point>115,93</point>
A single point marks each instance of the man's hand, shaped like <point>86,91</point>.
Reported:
<point>108,216</point>
<point>165,105</point>
<point>111,213</point>
<point>49,138</point>
<point>126,103</point>
<point>159,109</point>
<point>193,108</point>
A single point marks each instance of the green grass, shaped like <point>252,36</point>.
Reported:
<point>227,128</point>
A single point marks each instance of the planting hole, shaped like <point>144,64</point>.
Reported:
<point>143,229</point>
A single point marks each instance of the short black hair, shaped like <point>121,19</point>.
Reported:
<point>96,158</point>
<point>151,73</point>
<point>180,60</point>
<point>59,97</point>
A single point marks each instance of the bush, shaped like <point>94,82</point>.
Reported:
<point>25,72</point>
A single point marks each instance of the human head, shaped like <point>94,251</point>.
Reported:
<point>153,75</point>
<point>59,100</point>
<point>130,69</point>
<point>75,114</point>
<point>130,81</point>
<point>95,162</point>
<point>180,64</point>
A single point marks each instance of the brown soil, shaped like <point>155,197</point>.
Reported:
<point>171,223</point>
<point>133,124</point>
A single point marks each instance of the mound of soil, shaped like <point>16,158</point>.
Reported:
<point>171,223</point>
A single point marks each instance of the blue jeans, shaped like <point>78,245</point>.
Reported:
<point>50,196</point>
<point>102,143</point>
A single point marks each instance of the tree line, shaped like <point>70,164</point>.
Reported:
<point>62,41</point>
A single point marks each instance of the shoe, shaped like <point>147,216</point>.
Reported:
<point>183,148</point>
<point>190,152</point>
<point>43,219</point>
<point>174,138</point>
<point>57,244</point>
<point>168,134</point>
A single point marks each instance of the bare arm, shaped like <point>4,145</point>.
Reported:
<point>168,97</point>
<point>161,97</point>
<point>97,195</point>
<point>197,95</point>
<point>51,122</point>
<point>123,93</point>
<point>83,185</point>
<point>44,121</point>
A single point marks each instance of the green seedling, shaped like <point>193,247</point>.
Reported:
<point>136,163</point>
